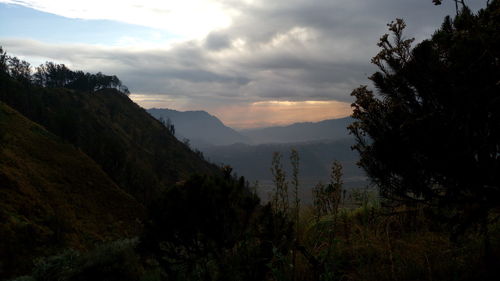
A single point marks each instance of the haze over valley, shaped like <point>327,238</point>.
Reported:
<point>250,151</point>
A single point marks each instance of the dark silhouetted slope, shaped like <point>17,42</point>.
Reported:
<point>53,196</point>
<point>201,128</point>
<point>132,147</point>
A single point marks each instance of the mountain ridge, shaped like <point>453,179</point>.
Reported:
<point>200,127</point>
<point>203,129</point>
<point>329,129</point>
<point>133,148</point>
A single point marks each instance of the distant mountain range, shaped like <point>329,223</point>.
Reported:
<point>249,152</point>
<point>201,128</point>
<point>332,129</point>
<point>204,130</point>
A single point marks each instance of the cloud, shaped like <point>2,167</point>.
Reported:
<point>255,51</point>
<point>217,41</point>
<point>275,113</point>
<point>186,18</point>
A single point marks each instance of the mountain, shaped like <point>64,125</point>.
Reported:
<point>254,162</point>
<point>301,132</point>
<point>53,196</point>
<point>249,152</point>
<point>133,148</point>
<point>201,128</point>
<point>204,130</point>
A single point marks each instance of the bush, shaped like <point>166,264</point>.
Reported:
<point>111,261</point>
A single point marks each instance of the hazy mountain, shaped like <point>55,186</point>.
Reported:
<point>250,151</point>
<point>201,128</point>
<point>332,129</point>
<point>254,162</point>
<point>53,196</point>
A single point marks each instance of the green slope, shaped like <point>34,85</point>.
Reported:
<point>53,196</point>
<point>133,148</point>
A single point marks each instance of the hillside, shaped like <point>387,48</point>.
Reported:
<point>53,196</point>
<point>201,128</point>
<point>132,147</point>
<point>332,129</point>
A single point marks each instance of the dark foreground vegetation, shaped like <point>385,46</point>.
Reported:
<point>428,139</point>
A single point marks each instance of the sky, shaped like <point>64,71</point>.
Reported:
<point>251,63</point>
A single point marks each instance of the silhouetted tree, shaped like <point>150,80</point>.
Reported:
<point>461,2</point>
<point>3,61</point>
<point>19,69</point>
<point>280,198</point>
<point>53,75</point>
<point>432,133</point>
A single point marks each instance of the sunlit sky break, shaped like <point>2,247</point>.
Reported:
<point>251,63</point>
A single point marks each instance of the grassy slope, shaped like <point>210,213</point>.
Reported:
<point>53,196</point>
<point>133,148</point>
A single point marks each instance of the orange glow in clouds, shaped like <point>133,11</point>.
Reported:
<point>257,114</point>
<point>275,113</point>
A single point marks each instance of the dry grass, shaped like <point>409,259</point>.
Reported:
<point>365,244</point>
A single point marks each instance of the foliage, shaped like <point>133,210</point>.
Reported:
<point>3,61</point>
<point>111,261</point>
<point>294,160</point>
<point>53,75</point>
<point>280,200</point>
<point>19,69</point>
<point>461,2</point>
<point>431,135</point>
<point>213,229</point>
<point>366,243</point>
<point>327,199</point>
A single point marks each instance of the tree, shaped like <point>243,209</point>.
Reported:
<point>213,228</point>
<point>327,198</point>
<point>53,75</point>
<point>280,197</point>
<point>294,161</point>
<point>19,69</point>
<point>431,134</point>
<point>3,61</point>
<point>461,2</point>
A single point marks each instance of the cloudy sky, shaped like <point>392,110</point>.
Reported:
<point>251,63</point>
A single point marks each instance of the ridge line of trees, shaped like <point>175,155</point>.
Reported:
<point>52,75</point>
